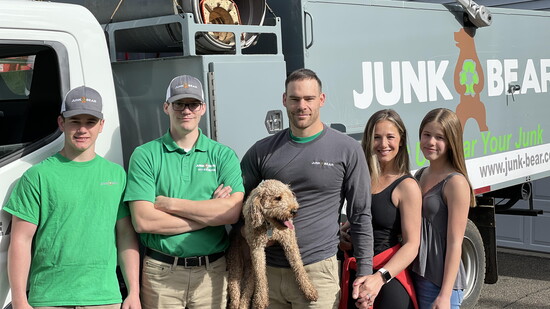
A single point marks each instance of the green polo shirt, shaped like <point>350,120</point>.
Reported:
<point>161,167</point>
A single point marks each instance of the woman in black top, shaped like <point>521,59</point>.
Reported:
<point>396,215</point>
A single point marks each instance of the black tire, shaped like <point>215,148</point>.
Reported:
<point>473,258</point>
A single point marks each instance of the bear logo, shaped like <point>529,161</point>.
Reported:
<point>469,80</point>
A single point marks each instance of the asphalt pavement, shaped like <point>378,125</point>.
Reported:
<point>524,281</point>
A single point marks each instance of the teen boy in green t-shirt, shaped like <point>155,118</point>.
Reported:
<point>69,224</point>
<point>171,182</point>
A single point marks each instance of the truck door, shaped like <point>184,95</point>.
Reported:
<point>34,76</point>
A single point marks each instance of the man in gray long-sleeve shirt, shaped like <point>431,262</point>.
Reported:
<point>324,168</point>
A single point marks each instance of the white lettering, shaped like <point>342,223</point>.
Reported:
<point>364,100</point>
<point>544,74</point>
<point>495,83</point>
<point>530,78</point>
<point>510,76</point>
<point>383,97</point>
<point>435,81</point>
<point>87,100</point>
<point>426,80</point>
<point>414,82</point>
<point>185,86</point>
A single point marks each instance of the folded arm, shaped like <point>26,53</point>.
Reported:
<point>213,212</point>
<point>147,219</point>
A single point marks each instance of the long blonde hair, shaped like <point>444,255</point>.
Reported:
<point>402,157</point>
<point>452,130</point>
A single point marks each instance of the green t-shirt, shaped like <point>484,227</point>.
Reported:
<point>161,167</point>
<point>75,206</point>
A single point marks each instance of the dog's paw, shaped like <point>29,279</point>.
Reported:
<point>311,294</point>
<point>261,303</point>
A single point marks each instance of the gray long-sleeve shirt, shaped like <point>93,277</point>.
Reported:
<point>322,173</point>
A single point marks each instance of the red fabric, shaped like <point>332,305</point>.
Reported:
<point>349,263</point>
<point>379,261</point>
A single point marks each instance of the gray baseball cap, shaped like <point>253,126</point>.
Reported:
<point>182,87</point>
<point>82,100</point>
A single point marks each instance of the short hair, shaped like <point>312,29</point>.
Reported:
<point>302,74</point>
<point>452,131</point>
<point>402,158</point>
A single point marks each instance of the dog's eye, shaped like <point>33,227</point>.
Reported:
<point>278,198</point>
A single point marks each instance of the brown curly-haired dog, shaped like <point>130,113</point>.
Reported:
<point>268,213</point>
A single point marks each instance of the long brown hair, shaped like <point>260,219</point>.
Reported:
<point>452,130</point>
<point>402,157</point>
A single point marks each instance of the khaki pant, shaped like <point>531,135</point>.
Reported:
<point>285,293</point>
<point>115,306</point>
<point>165,286</point>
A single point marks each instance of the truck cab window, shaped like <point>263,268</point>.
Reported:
<point>30,97</point>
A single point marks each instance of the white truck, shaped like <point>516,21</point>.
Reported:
<point>370,54</point>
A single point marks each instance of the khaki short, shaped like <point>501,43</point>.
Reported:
<point>165,286</point>
<point>285,293</point>
<point>115,306</point>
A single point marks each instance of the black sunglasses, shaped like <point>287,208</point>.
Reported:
<point>179,106</point>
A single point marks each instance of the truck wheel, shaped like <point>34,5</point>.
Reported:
<point>473,258</point>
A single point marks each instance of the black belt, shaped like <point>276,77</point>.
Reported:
<point>192,261</point>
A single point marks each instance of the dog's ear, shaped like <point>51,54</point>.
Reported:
<point>254,208</point>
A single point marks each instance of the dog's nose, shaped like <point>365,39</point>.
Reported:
<point>293,211</point>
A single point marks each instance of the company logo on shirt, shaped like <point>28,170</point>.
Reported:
<point>206,167</point>
<point>108,183</point>
<point>322,163</point>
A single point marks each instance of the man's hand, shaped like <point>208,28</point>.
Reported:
<point>131,302</point>
<point>364,303</point>
<point>368,290</point>
<point>345,238</point>
<point>222,192</point>
<point>164,203</point>
<point>362,293</point>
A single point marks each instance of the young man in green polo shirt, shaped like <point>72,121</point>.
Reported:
<point>182,189</point>
<point>69,223</point>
